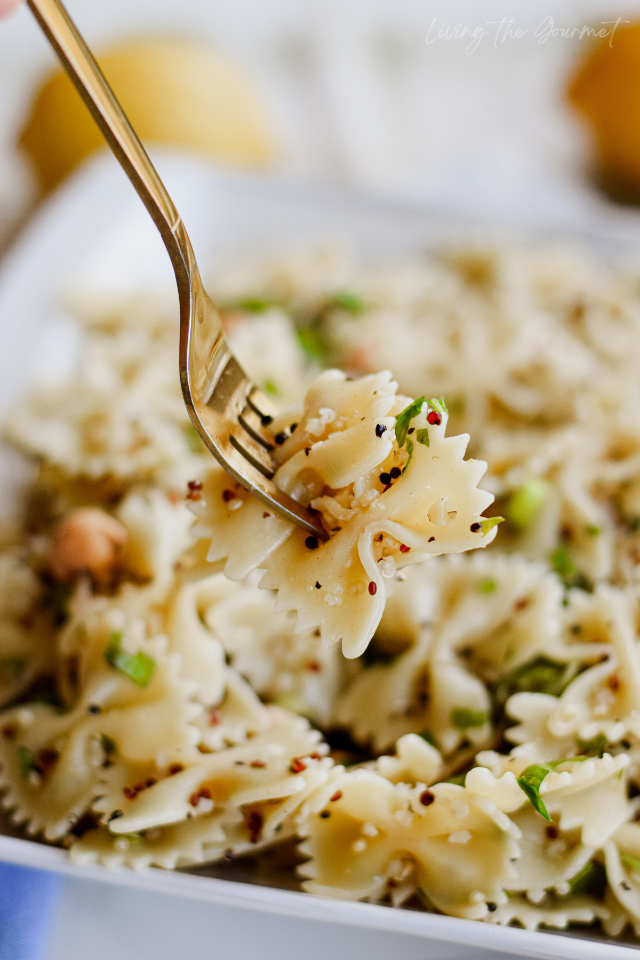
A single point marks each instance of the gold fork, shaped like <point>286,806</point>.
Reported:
<point>229,412</point>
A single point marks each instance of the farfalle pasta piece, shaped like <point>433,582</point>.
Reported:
<point>553,911</point>
<point>284,667</point>
<point>416,761</point>
<point>366,837</point>
<point>468,620</point>
<point>384,504</point>
<point>255,771</point>
<point>54,763</point>
<point>237,715</point>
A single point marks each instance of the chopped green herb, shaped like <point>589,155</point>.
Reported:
<point>562,564</point>
<point>108,744</point>
<point>592,531</point>
<point>313,343</point>
<point>194,441</point>
<point>137,666</point>
<point>488,523</point>
<point>422,436</point>
<point>462,718</point>
<point>410,452</point>
<point>13,667</point>
<point>537,676</point>
<point>439,405</point>
<point>531,778</point>
<point>428,736</point>
<point>525,502</point>
<point>255,304</point>
<point>630,861</point>
<point>591,879</point>
<point>403,420</point>
<point>25,760</point>
<point>349,301</point>
<point>487,586</point>
<point>270,387</point>
<point>529,782</point>
<point>595,747</point>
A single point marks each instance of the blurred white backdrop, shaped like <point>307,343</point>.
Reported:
<point>357,94</point>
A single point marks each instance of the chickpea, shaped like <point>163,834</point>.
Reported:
<point>88,540</point>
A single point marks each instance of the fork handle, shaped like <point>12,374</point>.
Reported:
<point>105,109</point>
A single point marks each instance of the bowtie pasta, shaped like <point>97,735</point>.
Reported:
<point>389,487</point>
<point>460,734</point>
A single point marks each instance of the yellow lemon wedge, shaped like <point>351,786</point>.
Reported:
<point>176,92</point>
<point>605,89</point>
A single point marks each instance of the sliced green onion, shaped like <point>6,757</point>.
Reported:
<point>137,666</point>
<point>525,502</point>
<point>422,436</point>
<point>462,718</point>
<point>403,420</point>
<point>487,586</point>
<point>592,530</point>
<point>255,304</point>
<point>313,343</point>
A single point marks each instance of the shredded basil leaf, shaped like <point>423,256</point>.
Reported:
<point>349,301</point>
<point>537,676</point>
<point>462,718</point>
<point>25,760</point>
<point>529,782</point>
<point>410,452</point>
<point>439,405</point>
<point>489,523</point>
<point>403,420</point>
<point>422,436</point>
<point>591,879</point>
<point>525,502</point>
<point>137,666</point>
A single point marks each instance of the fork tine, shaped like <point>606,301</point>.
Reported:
<point>252,423</point>
<point>253,452</point>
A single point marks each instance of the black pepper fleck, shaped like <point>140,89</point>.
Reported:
<point>266,420</point>
<point>491,906</point>
<point>411,430</point>
<point>280,438</point>
<point>325,814</point>
<point>318,584</point>
<point>395,473</point>
<point>475,527</point>
<point>431,539</point>
<point>311,543</point>
<point>95,708</point>
<point>293,427</point>
<point>380,429</point>
<point>385,478</point>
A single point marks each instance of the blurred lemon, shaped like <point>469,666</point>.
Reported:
<point>606,90</point>
<point>176,92</point>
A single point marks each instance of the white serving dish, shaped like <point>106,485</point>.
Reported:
<point>95,232</point>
